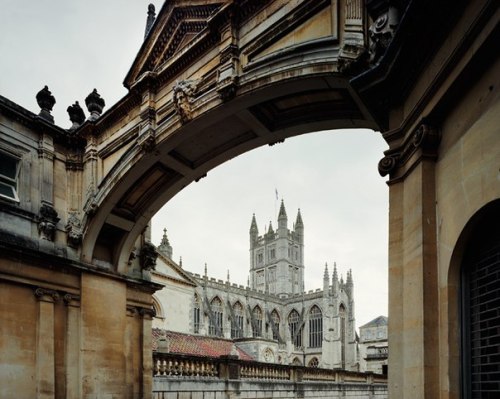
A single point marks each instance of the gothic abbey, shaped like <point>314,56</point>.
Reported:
<point>272,319</point>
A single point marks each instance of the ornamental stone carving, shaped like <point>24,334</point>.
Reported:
<point>76,115</point>
<point>425,138</point>
<point>184,92</point>
<point>74,230</point>
<point>47,222</point>
<point>95,104</point>
<point>387,165</point>
<point>148,256</point>
<point>46,102</point>
<point>381,32</point>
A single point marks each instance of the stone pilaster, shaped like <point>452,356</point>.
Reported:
<point>147,356</point>
<point>45,360</point>
<point>73,345</point>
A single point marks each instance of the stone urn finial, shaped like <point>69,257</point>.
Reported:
<point>76,115</point>
<point>95,103</point>
<point>46,102</point>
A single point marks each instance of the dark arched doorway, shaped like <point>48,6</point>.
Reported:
<point>480,290</point>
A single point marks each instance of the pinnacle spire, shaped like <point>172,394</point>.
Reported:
<point>335,276</point>
<point>299,223</point>
<point>326,276</point>
<point>270,230</point>
<point>282,212</point>
<point>253,225</point>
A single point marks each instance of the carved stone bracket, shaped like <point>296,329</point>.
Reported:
<point>227,77</point>
<point>74,230</point>
<point>44,294</point>
<point>47,222</point>
<point>381,32</point>
<point>184,94</point>
<point>425,138</point>
<point>148,256</point>
<point>147,134</point>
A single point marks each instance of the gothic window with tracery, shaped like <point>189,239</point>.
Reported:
<point>315,327</point>
<point>314,362</point>
<point>257,325</point>
<point>275,319</point>
<point>196,314</point>
<point>216,322</point>
<point>237,322</point>
<point>295,328</point>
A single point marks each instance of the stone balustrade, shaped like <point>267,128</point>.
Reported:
<point>195,377</point>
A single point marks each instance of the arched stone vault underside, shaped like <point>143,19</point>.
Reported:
<point>180,122</point>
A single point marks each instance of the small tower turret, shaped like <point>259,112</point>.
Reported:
<point>165,248</point>
<point>349,283</point>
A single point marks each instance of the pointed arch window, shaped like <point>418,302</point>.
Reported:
<point>314,362</point>
<point>275,320</point>
<point>237,321</point>
<point>315,327</point>
<point>294,324</point>
<point>216,321</point>
<point>196,314</point>
<point>257,322</point>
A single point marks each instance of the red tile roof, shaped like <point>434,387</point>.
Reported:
<point>197,345</point>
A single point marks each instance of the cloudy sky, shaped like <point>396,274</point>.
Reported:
<point>75,46</point>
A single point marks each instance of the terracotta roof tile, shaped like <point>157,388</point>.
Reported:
<point>197,345</point>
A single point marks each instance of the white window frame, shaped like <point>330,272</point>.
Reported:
<point>8,181</point>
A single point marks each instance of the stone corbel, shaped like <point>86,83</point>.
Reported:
<point>74,230</point>
<point>184,95</point>
<point>47,222</point>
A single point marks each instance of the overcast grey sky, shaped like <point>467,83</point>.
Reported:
<point>75,46</point>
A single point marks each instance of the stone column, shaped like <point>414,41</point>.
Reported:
<point>73,345</point>
<point>45,360</point>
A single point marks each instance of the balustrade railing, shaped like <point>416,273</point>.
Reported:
<point>175,366</point>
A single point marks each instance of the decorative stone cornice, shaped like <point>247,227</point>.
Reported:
<point>425,138</point>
